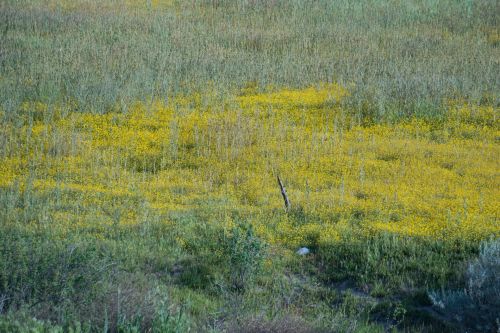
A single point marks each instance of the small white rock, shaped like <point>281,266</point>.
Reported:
<point>303,251</point>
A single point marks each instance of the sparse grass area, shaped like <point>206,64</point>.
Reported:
<point>140,144</point>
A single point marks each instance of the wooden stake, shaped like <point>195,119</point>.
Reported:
<point>283,193</point>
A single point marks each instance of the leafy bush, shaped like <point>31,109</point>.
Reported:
<point>229,258</point>
<point>244,251</point>
<point>477,307</point>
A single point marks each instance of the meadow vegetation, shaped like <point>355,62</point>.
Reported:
<point>140,143</point>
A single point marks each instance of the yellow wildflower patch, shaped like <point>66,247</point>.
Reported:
<point>414,177</point>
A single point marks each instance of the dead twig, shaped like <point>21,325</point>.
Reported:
<point>283,193</point>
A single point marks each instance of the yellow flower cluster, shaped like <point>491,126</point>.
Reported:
<point>414,177</point>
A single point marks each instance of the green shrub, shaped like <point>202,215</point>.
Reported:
<point>228,258</point>
<point>477,307</point>
<point>245,253</point>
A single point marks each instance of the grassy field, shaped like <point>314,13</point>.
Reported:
<point>140,143</point>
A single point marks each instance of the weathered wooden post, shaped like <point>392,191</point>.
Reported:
<point>283,193</point>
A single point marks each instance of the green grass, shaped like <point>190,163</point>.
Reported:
<point>399,59</point>
<point>196,275</point>
<point>403,57</point>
